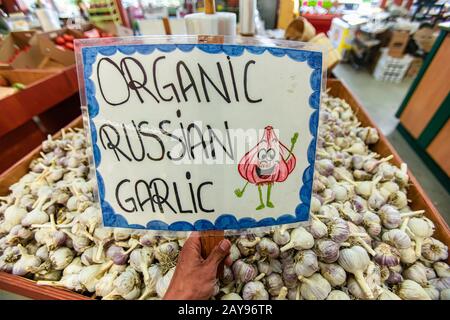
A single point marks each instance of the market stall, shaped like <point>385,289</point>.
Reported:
<point>366,229</point>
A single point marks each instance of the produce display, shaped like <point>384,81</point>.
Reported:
<point>7,88</point>
<point>95,33</point>
<point>65,41</point>
<point>17,51</point>
<point>364,242</point>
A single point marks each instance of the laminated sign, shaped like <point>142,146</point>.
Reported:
<point>198,136</point>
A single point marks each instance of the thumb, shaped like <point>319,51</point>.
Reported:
<point>220,252</point>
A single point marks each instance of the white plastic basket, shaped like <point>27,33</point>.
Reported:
<point>392,69</point>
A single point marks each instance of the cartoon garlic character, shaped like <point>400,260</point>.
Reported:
<point>268,162</point>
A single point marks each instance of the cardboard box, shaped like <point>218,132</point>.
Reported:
<point>331,54</point>
<point>398,43</point>
<point>15,50</point>
<point>342,34</point>
<point>50,54</point>
<point>115,29</point>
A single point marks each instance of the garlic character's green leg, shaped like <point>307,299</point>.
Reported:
<point>268,202</point>
<point>239,192</point>
<point>261,202</point>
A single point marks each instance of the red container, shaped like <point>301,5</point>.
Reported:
<point>321,22</point>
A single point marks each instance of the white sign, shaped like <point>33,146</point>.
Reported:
<point>202,136</point>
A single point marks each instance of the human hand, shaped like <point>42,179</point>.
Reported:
<point>195,277</point>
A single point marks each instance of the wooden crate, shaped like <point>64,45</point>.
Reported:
<point>419,199</point>
<point>415,192</point>
<point>50,97</point>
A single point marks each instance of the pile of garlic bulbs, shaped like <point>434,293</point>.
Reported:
<point>364,242</point>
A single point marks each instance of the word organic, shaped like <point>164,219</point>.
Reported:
<point>168,139</point>
<point>132,76</point>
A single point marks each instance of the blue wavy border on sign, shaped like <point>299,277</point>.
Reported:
<point>224,221</point>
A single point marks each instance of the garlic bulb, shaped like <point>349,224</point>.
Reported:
<point>417,273</point>
<point>306,263</point>
<point>432,292</point>
<point>394,277</point>
<point>294,293</point>
<point>19,233</point>
<point>25,263</point>
<point>42,253</point>
<point>356,260</point>
<point>69,281</point>
<point>106,284</point>
<point>163,283</point>
<point>282,295</point>
<point>390,217</point>
<point>87,257</point>
<point>355,289</point>
<point>315,207</point>
<point>300,239</point>
<point>254,290</point>
<point>386,255</point>
<point>328,211</point>
<point>398,199</point>
<point>121,234</point>
<point>276,266</point>
<point>89,276</point>
<point>434,250</point>
<point>430,273</point>
<point>281,236</point>
<point>149,240</point>
<point>442,269</point>
<point>274,283</point>
<point>410,290</point>
<point>234,253</point>
<point>376,199</point>
<point>52,275</point>
<point>327,250</point>
<point>372,223</point>
<point>408,256</point>
<point>243,272</point>
<point>267,248</point>
<point>338,295</point>
<point>314,287</point>
<point>247,244</point>
<point>231,296</point>
<point>141,259</point>
<point>117,255</point>
<point>445,294</point>
<point>74,267</point>
<point>154,275</point>
<point>289,275</point>
<point>12,216</point>
<point>317,229</point>
<point>388,295</point>
<point>228,276</point>
<point>126,285</point>
<point>420,230</point>
<point>37,215</point>
<point>398,238</point>
<point>333,273</point>
<point>338,230</point>
<point>61,258</point>
<point>440,283</point>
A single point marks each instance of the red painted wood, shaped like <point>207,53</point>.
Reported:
<point>36,98</point>
<point>30,289</point>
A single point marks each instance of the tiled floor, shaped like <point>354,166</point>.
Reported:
<point>382,100</point>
